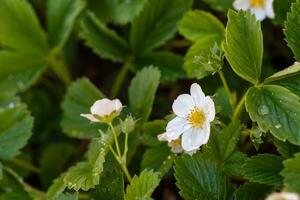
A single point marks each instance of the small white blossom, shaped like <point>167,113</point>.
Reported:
<point>194,113</point>
<point>283,196</point>
<point>104,110</point>
<point>174,144</point>
<point>261,8</point>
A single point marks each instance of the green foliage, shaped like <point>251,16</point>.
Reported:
<point>222,102</point>
<point>233,165</point>
<point>151,130</point>
<point>199,178</point>
<point>104,41</point>
<point>250,191</point>
<point>264,169</point>
<point>156,24</point>
<point>220,5</point>
<point>153,158</point>
<point>286,149</point>
<point>142,92</point>
<point>291,174</point>
<point>56,189</point>
<point>244,55</point>
<point>61,16</point>
<point>117,11</point>
<point>291,71</point>
<point>281,9</point>
<point>292,31</point>
<point>15,129</point>
<point>111,186</point>
<point>275,109</point>
<point>79,98</point>
<point>142,186</point>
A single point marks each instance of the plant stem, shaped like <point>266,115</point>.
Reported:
<point>125,146</point>
<point>83,196</point>
<point>125,170</point>
<point>226,87</point>
<point>239,109</point>
<point>116,139</point>
<point>26,165</point>
<point>59,66</point>
<point>120,79</point>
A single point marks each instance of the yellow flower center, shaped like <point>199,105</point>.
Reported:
<point>257,3</point>
<point>176,143</point>
<point>197,118</point>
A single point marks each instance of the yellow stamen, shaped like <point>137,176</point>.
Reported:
<point>257,3</point>
<point>197,118</point>
<point>176,143</point>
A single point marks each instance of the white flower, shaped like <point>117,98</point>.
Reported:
<point>283,196</point>
<point>261,8</point>
<point>104,110</point>
<point>174,144</point>
<point>194,114</point>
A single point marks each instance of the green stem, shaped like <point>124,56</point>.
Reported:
<point>125,170</point>
<point>239,108</point>
<point>116,139</point>
<point>33,192</point>
<point>59,66</point>
<point>26,165</point>
<point>120,79</point>
<point>83,196</point>
<point>125,146</point>
<point>226,87</point>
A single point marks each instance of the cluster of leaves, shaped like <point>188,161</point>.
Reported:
<point>138,34</point>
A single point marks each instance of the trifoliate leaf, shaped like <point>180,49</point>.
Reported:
<point>233,165</point>
<point>168,63</point>
<point>291,71</point>
<point>15,130</point>
<point>142,92</point>
<point>291,173</point>
<point>199,178</point>
<point>142,186</point>
<point>120,12</point>
<point>286,149</point>
<point>264,169</point>
<point>156,24</point>
<point>292,30</point>
<point>61,17</point>
<point>275,109</point>
<point>104,41</point>
<point>207,26</point>
<point>251,191</point>
<point>244,45</point>
<point>111,186</point>
<point>79,98</point>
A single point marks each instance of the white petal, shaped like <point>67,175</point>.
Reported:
<point>197,94</point>
<point>90,117</point>
<point>176,127</point>
<point>209,109</point>
<point>241,4</point>
<point>183,104</point>
<point>193,138</point>
<point>118,105</point>
<point>259,13</point>
<point>105,107</point>
<point>269,9</point>
<point>283,195</point>
<point>163,137</point>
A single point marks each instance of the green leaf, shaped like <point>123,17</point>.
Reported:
<point>111,186</point>
<point>220,5</point>
<point>151,130</point>
<point>292,29</point>
<point>15,129</point>
<point>250,191</point>
<point>207,26</point>
<point>154,157</point>
<point>291,71</point>
<point>1,171</point>
<point>281,8</point>
<point>291,83</point>
<point>86,174</point>
<point>53,161</point>
<point>264,169</point>
<point>275,109</point>
<point>105,42</point>
<point>142,186</point>
<point>57,188</point>
<point>291,174</point>
<point>199,178</point>
<point>156,24</point>
<point>191,65</point>
<point>168,63</point>
<point>142,92</point>
<point>20,29</point>
<point>244,45</point>
<point>68,196</point>
<point>61,17</point>
<point>286,149</point>
<point>233,165</point>
<point>79,98</point>
<point>117,11</point>
<point>222,101</point>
